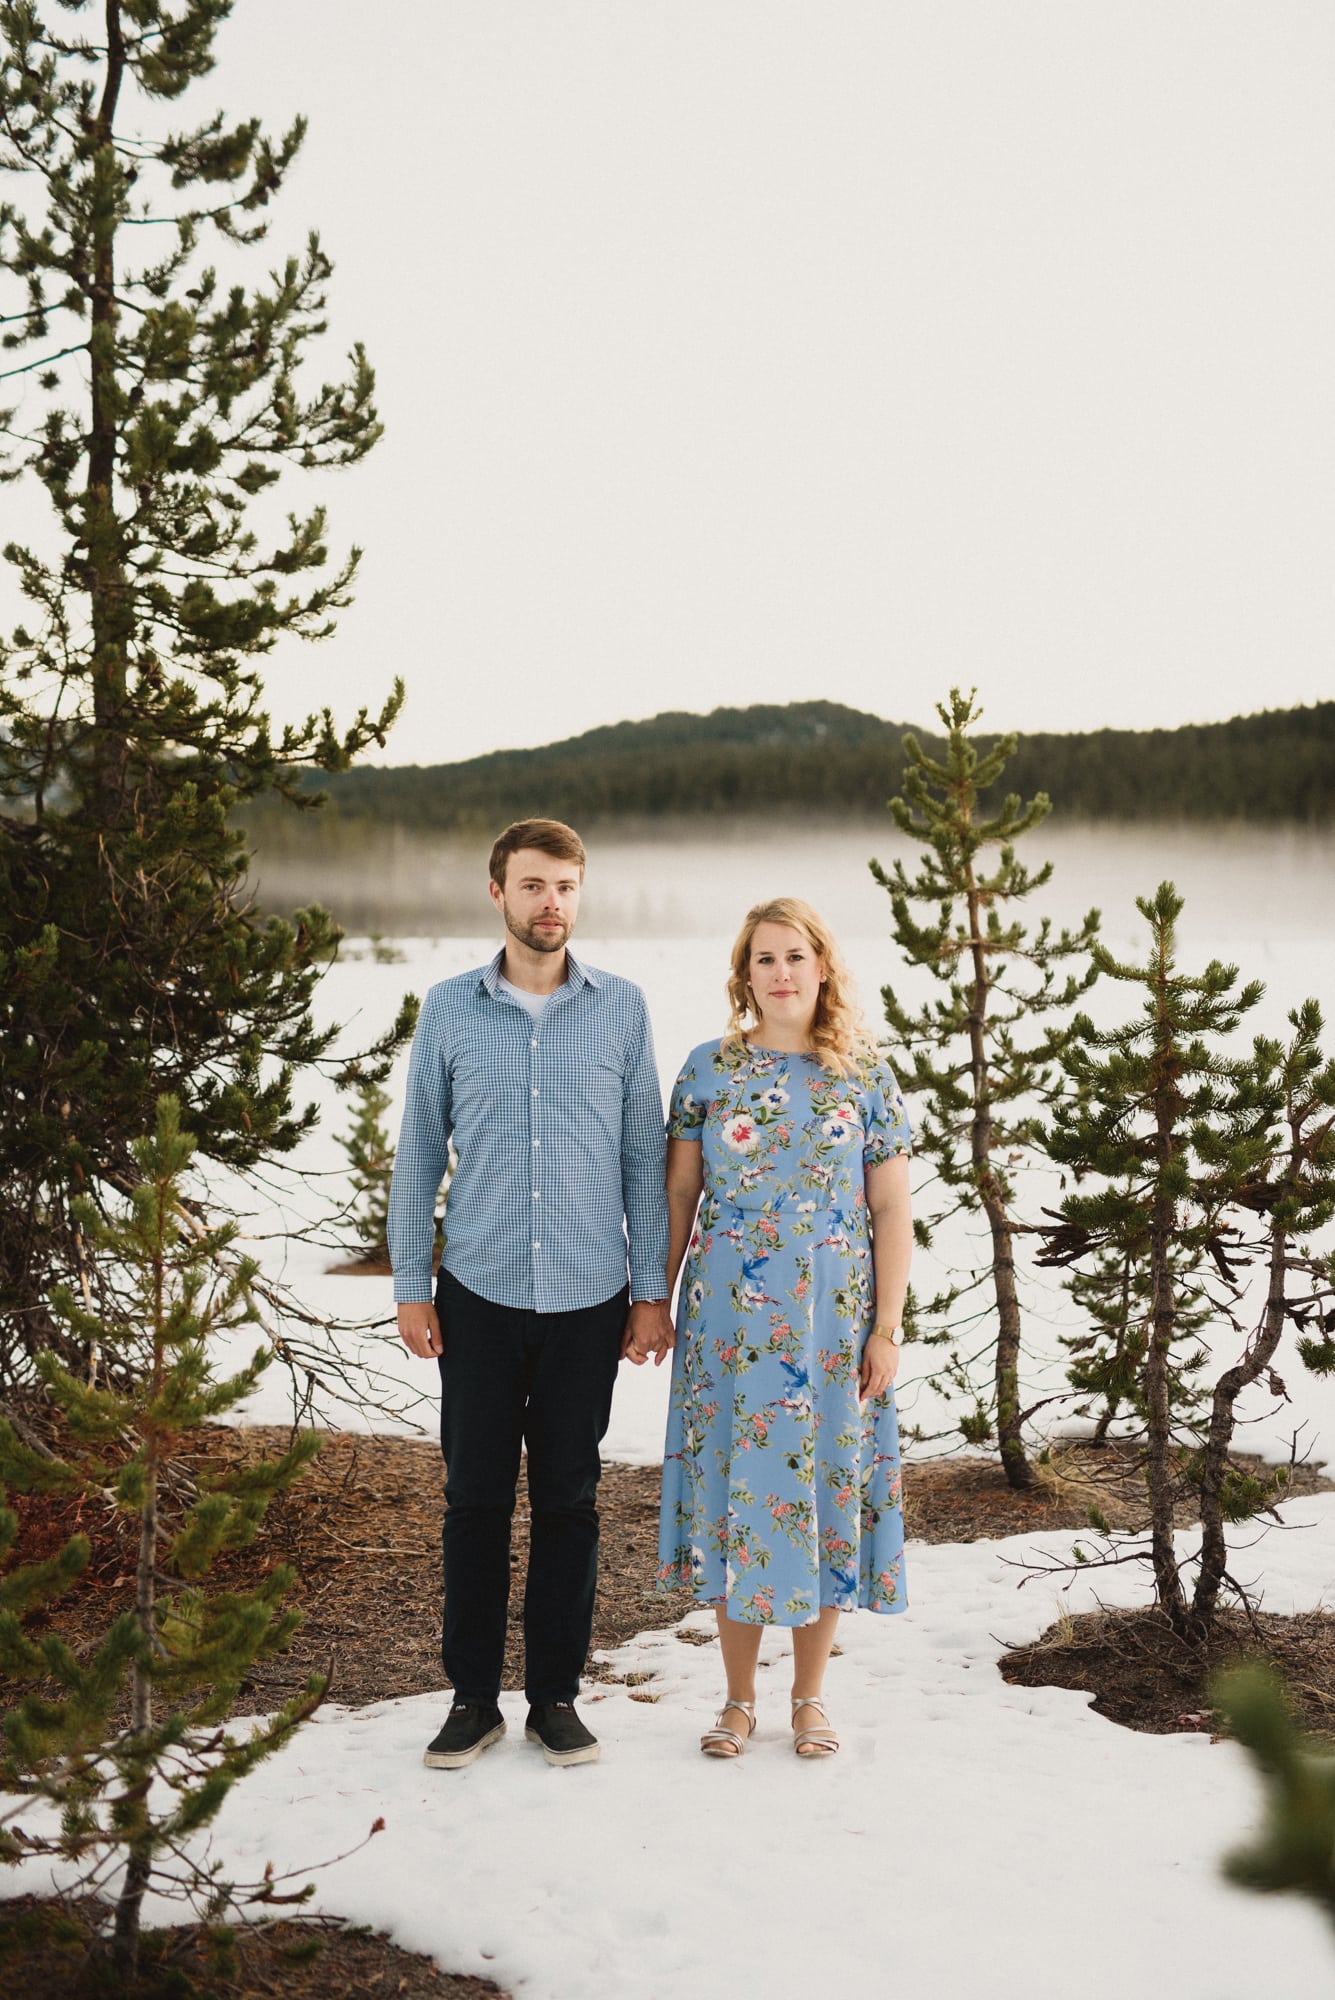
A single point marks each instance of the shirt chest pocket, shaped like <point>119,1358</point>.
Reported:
<point>595,1087</point>
<point>490,1084</point>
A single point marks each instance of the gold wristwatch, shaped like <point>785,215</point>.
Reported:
<point>894,1334</point>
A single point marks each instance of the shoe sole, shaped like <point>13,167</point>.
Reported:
<point>454,1760</point>
<point>588,1753</point>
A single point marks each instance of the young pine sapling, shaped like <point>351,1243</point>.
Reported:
<point>130,1746</point>
<point>984,1054</point>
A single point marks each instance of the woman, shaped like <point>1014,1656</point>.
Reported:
<point>781,1469</point>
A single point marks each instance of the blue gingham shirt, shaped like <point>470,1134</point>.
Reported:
<point>558,1127</point>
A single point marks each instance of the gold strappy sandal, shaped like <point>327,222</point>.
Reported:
<point>720,1741</point>
<point>814,1742</point>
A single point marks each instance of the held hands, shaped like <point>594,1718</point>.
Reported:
<point>419,1329</point>
<point>880,1365</point>
<point>649,1330</point>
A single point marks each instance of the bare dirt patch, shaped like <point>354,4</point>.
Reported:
<point>968,1499</point>
<point>344,1962</point>
<point>1145,1676</point>
<point>362,1530</point>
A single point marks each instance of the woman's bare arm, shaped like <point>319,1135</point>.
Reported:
<point>685,1178</point>
<point>891,1221</point>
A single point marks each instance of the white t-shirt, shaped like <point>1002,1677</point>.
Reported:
<point>533,1002</point>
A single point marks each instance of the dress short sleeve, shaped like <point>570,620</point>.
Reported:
<point>690,1101</point>
<point>885,1123</point>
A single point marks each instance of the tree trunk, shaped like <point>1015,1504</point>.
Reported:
<point>139,1851</point>
<point>106,581</point>
<point>139,1862</point>
<point>1214,1546</point>
<point>1159,1441</point>
<point>130,1902</point>
<point>1163,1320</point>
<point>1015,1463</point>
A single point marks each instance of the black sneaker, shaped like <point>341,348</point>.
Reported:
<point>471,1726</point>
<point>563,1737</point>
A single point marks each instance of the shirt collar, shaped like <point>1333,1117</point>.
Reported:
<point>577,974</point>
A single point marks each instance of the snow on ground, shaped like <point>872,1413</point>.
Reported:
<point>971,1839</point>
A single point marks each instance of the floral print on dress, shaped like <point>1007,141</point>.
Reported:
<point>780,1495</point>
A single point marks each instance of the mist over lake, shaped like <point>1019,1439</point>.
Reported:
<point>1244,884</point>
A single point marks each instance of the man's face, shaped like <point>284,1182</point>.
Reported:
<point>540,900</point>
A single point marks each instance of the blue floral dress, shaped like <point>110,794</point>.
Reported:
<point>780,1495</point>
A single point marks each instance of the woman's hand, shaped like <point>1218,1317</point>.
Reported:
<point>880,1365</point>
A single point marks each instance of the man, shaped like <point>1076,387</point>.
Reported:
<point>542,1070</point>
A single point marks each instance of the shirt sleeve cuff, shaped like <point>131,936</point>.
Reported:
<point>414,1288</point>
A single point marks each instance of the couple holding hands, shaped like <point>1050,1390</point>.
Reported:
<point>781,1198</point>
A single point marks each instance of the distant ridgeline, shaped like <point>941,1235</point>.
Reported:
<point>816,756</point>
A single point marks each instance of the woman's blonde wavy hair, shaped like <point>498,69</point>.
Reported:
<point>839,1037</point>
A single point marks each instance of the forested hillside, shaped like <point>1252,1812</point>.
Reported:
<point>820,757</point>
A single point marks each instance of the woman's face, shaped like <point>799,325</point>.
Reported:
<point>785,974</point>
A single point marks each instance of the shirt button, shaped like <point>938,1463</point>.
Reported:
<point>537,1142</point>
<point>535,1093</point>
<point>534,1042</point>
<point>537,1246</point>
<point>536,1195</point>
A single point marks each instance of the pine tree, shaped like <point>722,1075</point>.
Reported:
<point>370,1152</point>
<point>1291,1187</point>
<point>1295,1850</point>
<point>160,405</point>
<point>1173,1141</point>
<point>180,1655</point>
<point>981,1079</point>
<point>1108,1355</point>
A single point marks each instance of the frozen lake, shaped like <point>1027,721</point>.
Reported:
<point>663,911</point>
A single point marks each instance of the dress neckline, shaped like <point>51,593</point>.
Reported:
<point>762,1049</point>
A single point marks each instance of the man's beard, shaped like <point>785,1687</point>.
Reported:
<point>535,939</point>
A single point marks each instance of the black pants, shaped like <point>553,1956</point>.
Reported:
<point>508,1378</point>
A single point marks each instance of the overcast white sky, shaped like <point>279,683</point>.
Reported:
<point>738,350</point>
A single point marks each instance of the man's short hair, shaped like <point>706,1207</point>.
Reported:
<point>549,836</point>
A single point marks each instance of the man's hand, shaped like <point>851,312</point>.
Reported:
<point>649,1330</point>
<point>419,1329</point>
